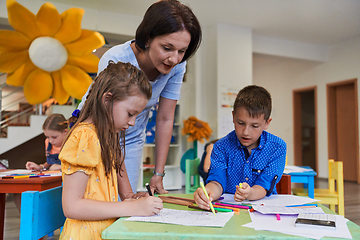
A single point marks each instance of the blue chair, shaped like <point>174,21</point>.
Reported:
<point>41,213</point>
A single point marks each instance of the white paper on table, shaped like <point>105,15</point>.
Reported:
<point>251,225</point>
<point>292,168</point>
<point>274,199</point>
<point>287,225</point>
<point>25,171</point>
<point>53,173</point>
<point>187,218</point>
<point>286,210</point>
<point>17,171</point>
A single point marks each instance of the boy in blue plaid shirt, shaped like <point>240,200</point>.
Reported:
<point>248,155</point>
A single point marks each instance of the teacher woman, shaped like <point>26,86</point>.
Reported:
<point>168,35</point>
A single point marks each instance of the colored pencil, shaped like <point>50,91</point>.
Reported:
<point>206,194</point>
<point>304,205</point>
<point>196,207</point>
<point>231,205</point>
<point>240,204</point>
<point>223,209</point>
<point>235,209</point>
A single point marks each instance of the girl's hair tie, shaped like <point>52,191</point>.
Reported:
<point>76,113</point>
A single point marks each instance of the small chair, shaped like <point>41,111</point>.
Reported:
<point>192,177</point>
<point>284,185</point>
<point>333,195</point>
<point>41,213</point>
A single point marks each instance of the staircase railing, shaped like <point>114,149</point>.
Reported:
<point>8,116</point>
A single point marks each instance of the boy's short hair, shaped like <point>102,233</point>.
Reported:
<point>255,99</point>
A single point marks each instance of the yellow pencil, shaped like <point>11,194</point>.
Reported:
<point>211,206</point>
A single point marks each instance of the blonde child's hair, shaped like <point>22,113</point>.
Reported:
<point>121,80</point>
<point>55,122</point>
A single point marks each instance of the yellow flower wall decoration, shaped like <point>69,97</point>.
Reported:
<point>48,53</point>
<point>196,129</point>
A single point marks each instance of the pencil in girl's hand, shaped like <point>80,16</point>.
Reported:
<point>206,194</point>
<point>148,188</point>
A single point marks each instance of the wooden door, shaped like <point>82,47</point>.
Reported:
<point>343,127</point>
<point>305,127</point>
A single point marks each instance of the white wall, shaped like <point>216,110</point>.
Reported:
<point>282,75</point>
<point>225,56</point>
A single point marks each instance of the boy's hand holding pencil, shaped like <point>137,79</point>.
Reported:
<point>201,199</point>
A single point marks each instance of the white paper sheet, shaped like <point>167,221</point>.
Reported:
<point>285,210</point>
<point>287,225</point>
<point>17,171</point>
<point>187,218</point>
<point>275,199</point>
<point>25,171</point>
<point>251,225</point>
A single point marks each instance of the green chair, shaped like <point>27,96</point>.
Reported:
<point>192,177</point>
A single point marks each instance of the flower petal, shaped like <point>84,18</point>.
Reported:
<point>70,29</point>
<point>59,93</point>
<point>75,81</point>
<point>18,77</point>
<point>22,20</point>
<point>88,63</point>
<point>48,19</point>
<point>9,62</point>
<point>88,41</point>
<point>38,86</point>
<point>12,41</point>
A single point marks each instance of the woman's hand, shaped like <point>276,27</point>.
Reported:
<point>156,183</point>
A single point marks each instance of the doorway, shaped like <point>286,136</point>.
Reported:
<point>343,128</point>
<point>305,128</point>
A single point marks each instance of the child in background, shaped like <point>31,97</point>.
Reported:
<point>204,165</point>
<point>92,160</point>
<point>55,129</point>
<point>248,155</point>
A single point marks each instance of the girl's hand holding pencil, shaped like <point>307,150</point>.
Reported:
<point>147,206</point>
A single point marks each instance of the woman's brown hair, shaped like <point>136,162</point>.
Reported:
<point>165,17</point>
<point>117,82</point>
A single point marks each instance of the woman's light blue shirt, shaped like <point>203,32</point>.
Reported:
<point>167,86</point>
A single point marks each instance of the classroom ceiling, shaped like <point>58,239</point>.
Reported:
<point>319,22</point>
<point>322,22</point>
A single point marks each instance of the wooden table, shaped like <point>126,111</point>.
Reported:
<point>307,178</point>
<point>22,185</point>
<point>233,229</point>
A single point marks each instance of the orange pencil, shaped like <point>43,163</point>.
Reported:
<point>25,176</point>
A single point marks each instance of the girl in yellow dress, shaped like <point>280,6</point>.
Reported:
<point>92,160</point>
